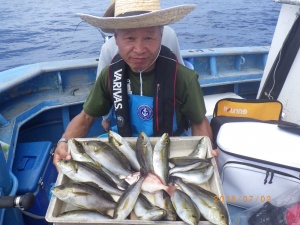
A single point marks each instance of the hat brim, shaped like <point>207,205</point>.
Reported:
<point>151,19</point>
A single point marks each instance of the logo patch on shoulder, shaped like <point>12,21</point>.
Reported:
<point>145,112</point>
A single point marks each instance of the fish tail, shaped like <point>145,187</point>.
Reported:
<point>143,172</point>
<point>170,190</point>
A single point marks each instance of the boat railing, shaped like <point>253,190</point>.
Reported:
<point>219,66</point>
<point>212,64</point>
<point>13,77</point>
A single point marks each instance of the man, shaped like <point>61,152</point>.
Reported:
<point>110,49</point>
<point>149,90</point>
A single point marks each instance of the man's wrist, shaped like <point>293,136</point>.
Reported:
<point>62,140</point>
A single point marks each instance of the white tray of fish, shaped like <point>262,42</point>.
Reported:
<point>156,180</point>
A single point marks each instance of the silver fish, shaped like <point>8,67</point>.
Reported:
<point>118,141</point>
<point>161,154</point>
<point>84,196</point>
<point>213,211</point>
<point>132,178</point>
<point>163,200</point>
<point>184,168</point>
<point>82,172</point>
<point>185,207</point>
<point>127,201</point>
<point>188,160</point>
<point>84,215</point>
<point>196,176</point>
<point>78,153</point>
<point>201,149</point>
<point>145,210</point>
<point>200,163</point>
<point>144,152</point>
<point>108,156</point>
<point>121,183</point>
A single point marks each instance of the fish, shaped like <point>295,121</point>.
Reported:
<point>132,178</point>
<point>145,210</point>
<point>184,168</point>
<point>118,141</point>
<point>163,200</point>
<point>196,176</point>
<point>78,153</point>
<point>201,149</point>
<point>121,183</point>
<point>161,154</point>
<point>108,156</point>
<point>144,152</point>
<point>152,184</point>
<point>200,163</point>
<point>84,196</point>
<point>83,215</point>
<point>127,200</point>
<point>188,160</point>
<point>81,172</point>
<point>185,207</point>
<point>212,210</point>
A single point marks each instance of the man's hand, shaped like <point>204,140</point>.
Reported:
<point>61,153</point>
<point>105,125</point>
<point>78,127</point>
<point>215,153</point>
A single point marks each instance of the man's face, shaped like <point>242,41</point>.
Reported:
<point>139,47</point>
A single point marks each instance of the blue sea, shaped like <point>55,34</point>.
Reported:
<point>34,31</point>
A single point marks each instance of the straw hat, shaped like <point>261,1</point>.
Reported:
<point>110,12</point>
<point>125,14</point>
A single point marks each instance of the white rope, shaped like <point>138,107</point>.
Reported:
<point>140,71</point>
<point>274,81</point>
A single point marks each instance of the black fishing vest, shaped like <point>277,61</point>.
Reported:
<point>163,93</point>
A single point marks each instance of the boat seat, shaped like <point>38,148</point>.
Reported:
<point>211,100</point>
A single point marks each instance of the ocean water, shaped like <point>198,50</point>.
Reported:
<point>34,31</point>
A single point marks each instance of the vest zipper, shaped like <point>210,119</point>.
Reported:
<point>156,103</point>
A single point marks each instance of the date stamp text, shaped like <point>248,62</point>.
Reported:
<point>244,198</point>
